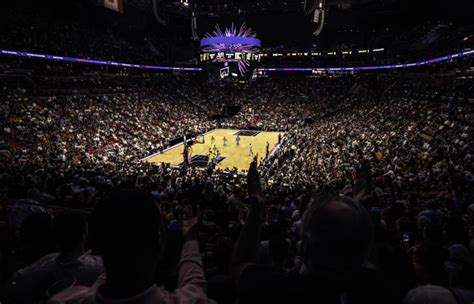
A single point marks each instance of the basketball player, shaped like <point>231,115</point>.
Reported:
<point>213,140</point>
<point>251,150</point>
<point>187,154</point>
<point>237,141</point>
<point>224,141</point>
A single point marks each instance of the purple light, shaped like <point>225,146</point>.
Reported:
<point>241,40</point>
<point>376,67</point>
<point>197,69</point>
<point>98,62</point>
<point>225,41</point>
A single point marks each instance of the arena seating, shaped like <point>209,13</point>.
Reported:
<point>367,199</point>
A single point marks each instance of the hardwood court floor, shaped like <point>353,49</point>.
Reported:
<point>234,156</point>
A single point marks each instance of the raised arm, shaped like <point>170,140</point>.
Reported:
<point>191,279</point>
<point>245,250</point>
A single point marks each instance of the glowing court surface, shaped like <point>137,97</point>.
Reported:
<point>232,155</point>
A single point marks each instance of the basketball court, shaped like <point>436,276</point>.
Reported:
<point>230,156</point>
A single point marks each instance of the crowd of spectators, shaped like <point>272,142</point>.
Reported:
<point>369,197</point>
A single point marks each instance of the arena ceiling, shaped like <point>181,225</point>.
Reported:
<point>297,14</point>
<point>273,19</point>
<point>216,7</point>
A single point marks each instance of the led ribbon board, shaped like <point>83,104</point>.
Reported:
<point>197,69</point>
<point>99,62</point>
<point>375,67</point>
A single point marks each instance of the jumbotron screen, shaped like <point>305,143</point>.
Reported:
<point>223,56</point>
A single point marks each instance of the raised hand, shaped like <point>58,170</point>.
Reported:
<point>191,225</point>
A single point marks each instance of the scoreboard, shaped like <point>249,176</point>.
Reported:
<point>228,56</point>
